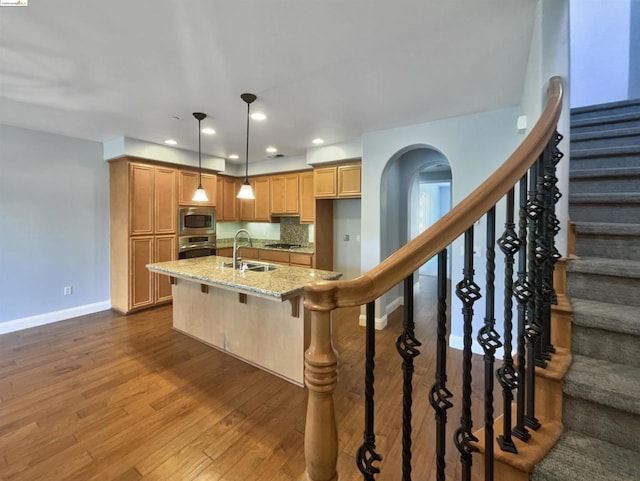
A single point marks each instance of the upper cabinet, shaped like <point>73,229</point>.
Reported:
<point>152,200</point>
<point>228,205</point>
<point>258,209</point>
<point>307,198</point>
<point>338,181</point>
<point>284,194</point>
<point>188,183</point>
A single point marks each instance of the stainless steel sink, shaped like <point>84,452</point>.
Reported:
<point>253,266</point>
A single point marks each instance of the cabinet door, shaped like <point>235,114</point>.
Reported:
<point>349,183</point>
<point>307,199</point>
<point>262,203</point>
<point>229,199</point>
<point>166,215</point>
<point>141,180</point>
<point>248,206</point>
<point>325,182</point>
<point>165,250</point>
<point>277,188</point>
<point>291,204</point>
<point>141,284</point>
<point>188,183</point>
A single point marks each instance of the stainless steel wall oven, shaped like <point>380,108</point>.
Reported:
<point>196,246</point>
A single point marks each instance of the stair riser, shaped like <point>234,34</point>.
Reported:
<point>606,125</point>
<point>591,212</point>
<point>615,290</point>
<point>606,185</point>
<point>610,247</point>
<point>604,161</point>
<point>623,108</point>
<point>619,141</point>
<point>603,422</point>
<point>606,345</point>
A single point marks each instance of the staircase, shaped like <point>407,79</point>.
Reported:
<point>601,413</point>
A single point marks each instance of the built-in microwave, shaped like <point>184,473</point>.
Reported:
<point>197,220</point>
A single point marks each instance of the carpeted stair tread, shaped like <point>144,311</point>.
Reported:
<point>604,151</point>
<point>606,316</point>
<point>606,134</point>
<point>606,198</point>
<point>605,173</point>
<point>581,458</point>
<point>604,108</point>
<point>604,382</point>
<point>608,228</point>
<point>605,267</point>
<point>604,120</point>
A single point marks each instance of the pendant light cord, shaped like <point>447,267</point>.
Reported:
<point>199,156</point>
<point>246,157</point>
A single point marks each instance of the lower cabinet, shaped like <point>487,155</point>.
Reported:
<point>147,289</point>
<point>272,256</point>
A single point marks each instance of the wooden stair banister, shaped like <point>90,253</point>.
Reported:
<point>321,360</point>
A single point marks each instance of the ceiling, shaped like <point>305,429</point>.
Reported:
<point>332,69</point>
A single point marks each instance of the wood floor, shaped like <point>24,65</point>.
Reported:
<point>110,397</point>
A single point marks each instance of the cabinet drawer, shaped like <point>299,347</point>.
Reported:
<point>303,260</point>
<point>274,256</point>
<point>248,253</point>
<point>224,251</point>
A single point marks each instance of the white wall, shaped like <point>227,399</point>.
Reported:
<point>346,253</point>
<point>600,39</point>
<point>54,228</point>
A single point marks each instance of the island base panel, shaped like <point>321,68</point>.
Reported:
<point>260,331</point>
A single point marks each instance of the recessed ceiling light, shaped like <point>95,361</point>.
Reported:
<point>171,142</point>
<point>258,116</point>
<point>208,131</point>
<point>318,141</point>
<point>272,150</point>
<point>234,156</point>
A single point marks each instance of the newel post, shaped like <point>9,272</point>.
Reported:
<point>321,377</point>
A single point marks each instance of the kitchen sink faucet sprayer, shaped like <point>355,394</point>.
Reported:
<point>235,246</point>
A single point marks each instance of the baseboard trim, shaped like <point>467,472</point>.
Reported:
<point>50,317</point>
<point>381,322</point>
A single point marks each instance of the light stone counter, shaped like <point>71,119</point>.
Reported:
<point>243,313</point>
<point>281,284</point>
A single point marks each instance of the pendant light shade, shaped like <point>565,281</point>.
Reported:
<point>200,195</point>
<point>245,191</point>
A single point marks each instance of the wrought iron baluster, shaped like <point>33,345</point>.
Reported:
<point>407,345</point>
<point>468,292</point>
<point>533,328</point>
<point>489,340</point>
<point>439,394</point>
<point>507,376</point>
<point>367,454</point>
<point>522,292</point>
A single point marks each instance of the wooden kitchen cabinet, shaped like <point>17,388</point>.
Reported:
<point>258,209</point>
<point>284,194</point>
<point>280,257</point>
<point>300,260</point>
<point>227,208</point>
<point>188,183</point>
<point>307,198</point>
<point>224,251</point>
<point>338,181</point>
<point>143,228</point>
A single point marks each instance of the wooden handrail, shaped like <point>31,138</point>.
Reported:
<point>329,295</point>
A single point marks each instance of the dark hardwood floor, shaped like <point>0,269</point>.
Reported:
<point>111,397</point>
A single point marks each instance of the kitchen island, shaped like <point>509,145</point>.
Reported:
<point>253,314</point>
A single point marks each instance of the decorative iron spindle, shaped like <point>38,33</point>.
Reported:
<point>468,292</point>
<point>522,292</point>
<point>507,376</point>
<point>533,327</point>
<point>407,345</point>
<point>367,454</point>
<point>489,340</point>
<point>439,394</point>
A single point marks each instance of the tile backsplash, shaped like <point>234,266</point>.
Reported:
<point>293,232</point>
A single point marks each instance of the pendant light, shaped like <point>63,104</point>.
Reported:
<point>200,195</point>
<point>245,191</point>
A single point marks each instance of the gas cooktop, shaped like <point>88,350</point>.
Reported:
<point>282,245</point>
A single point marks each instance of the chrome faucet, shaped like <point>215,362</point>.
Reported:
<point>236,247</point>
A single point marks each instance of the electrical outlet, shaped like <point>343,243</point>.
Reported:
<point>68,290</point>
<point>477,251</point>
<point>346,238</point>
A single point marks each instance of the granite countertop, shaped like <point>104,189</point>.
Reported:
<point>281,284</point>
<point>261,244</point>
